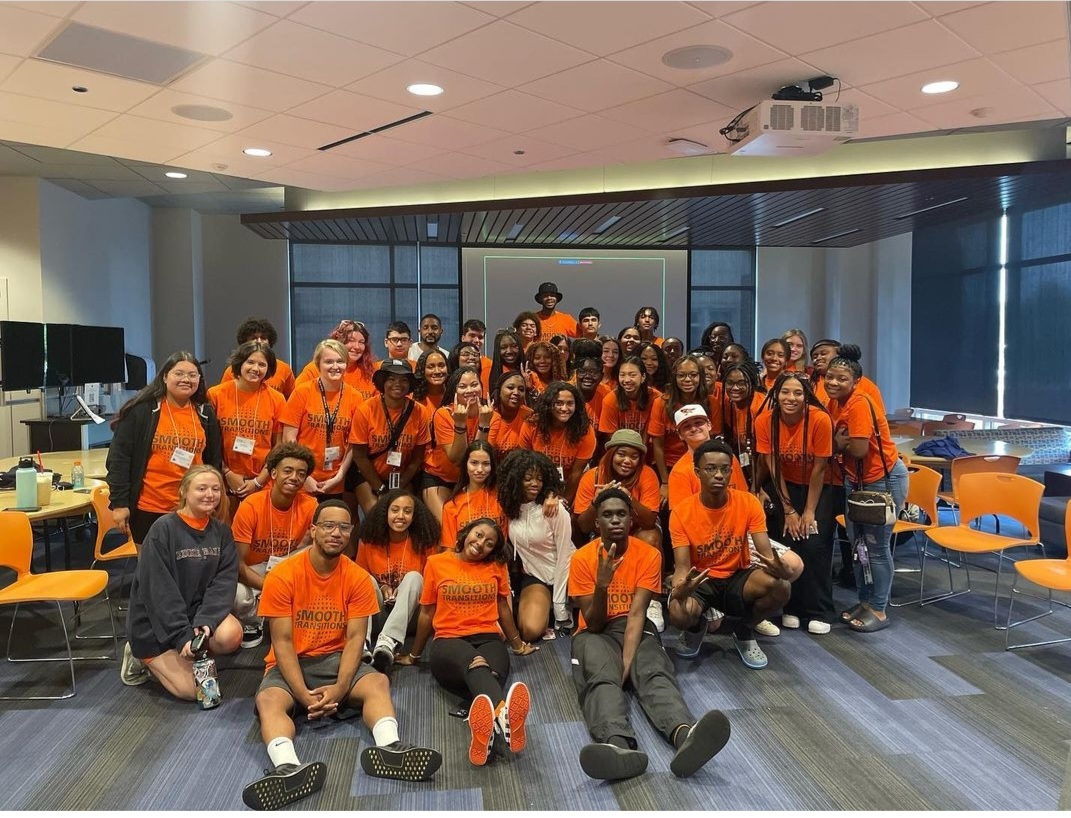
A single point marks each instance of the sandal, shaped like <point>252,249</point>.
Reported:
<point>870,622</point>
<point>852,613</point>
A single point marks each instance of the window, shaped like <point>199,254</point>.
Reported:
<point>722,289</point>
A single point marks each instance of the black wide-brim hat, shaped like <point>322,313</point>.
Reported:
<point>549,288</point>
<point>392,367</point>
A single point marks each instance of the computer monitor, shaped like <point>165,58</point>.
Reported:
<point>99,354</point>
<point>59,365</point>
<point>22,355</point>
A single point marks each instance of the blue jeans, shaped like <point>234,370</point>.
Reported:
<point>878,541</point>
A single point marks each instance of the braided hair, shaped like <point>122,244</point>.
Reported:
<point>809,400</point>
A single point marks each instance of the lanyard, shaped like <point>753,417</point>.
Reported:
<point>329,416</point>
<point>256,407</point>
<point>289,527</point>
<point>394,431</point>
<point>174,428</point>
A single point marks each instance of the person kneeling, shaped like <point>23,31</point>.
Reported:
<point>611,581</point>
<point>317,606</point>
<point>712,559</point>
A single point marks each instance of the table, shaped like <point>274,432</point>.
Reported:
<point>982,447</point>
<point>62,433</point>
<point>93,462</point>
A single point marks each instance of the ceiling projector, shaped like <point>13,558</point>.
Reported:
<point>794,128</point>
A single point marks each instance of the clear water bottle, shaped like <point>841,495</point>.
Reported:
<point>26,483</point>
<point>204,674</point>
<point>78,476</point>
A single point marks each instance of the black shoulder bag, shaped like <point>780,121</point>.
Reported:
<point>877,508</point>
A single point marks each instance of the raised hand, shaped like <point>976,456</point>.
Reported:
<point>460,414</point>
<point>485,412</point>
<point>690,584</point>
<point>608,566</point>
<point>774,566</point>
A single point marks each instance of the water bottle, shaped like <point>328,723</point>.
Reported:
<point>26,483</point>
<point>204,674</point>
<point>78,476</point>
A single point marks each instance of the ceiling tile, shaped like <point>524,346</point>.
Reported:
<point>399,177</point>
<point>603,28</point>
<point>938,8</point>
<point>143,151</point>
<point>1057,92</point>
<point>596,85</point>
<point>86,191</point>
<point>514,111</point>
<point>869,105</point>
<point>54,9</point>
<point>302,51</point>
<point>7,64</point>
<point>310,181</point>
<point>277,8</point>
<point>16,108</point>
<point>227,150</point>
<point>747,53</point>
<point>61,133</point>
<point>793,27</point>
<point>292,130</point>
<point>588,133</point>
<point>443,132</point>
<point>52,81</point>
<point>746,88</point>
<point>996,27</point>
<point>665,112</point>
<point>390,84</point>
<point>21,32</point>
<point>160,105</point>
<point>359,113</point>
<point>891,54</point>
<point>573,161</point>
<point>154,132</point>
<point>891,124</point>
<point>647,149</point>
<point>210,28</point>
<point>181,186</point>
<point>975,77</point>
<point>505,151</point>
<point>337,165</point>
<point>112,171</point>
<point>720,8</point>
<point>244,84</point>
<point>506,54</point>
<point>1004,108</point>
<point>405,28</point>
<point>129,189</point>
<point>1036,63</point>
<point>50,155</point>
<point>463,166</point>
<point>497,8</point>
<point>389,151</point>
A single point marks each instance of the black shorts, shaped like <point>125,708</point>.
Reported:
<point>354,478</point>
<point>725,595</point>
<point>523,580</point>
<point>430,481</point>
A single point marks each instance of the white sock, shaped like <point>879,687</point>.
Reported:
<point>281,751</point>
<point>385,731</point>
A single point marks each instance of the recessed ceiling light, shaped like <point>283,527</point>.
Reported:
<point>261,152</point>
<point>174,174</point>
<point>424,89</point>
<point>941,87</point>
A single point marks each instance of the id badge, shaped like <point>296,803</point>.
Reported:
<point>273,560</point>
<point>331,456</point>
<point>182,457</point>
<point>745,460</point>
<point>394,459</point>
<point>394,481</point>
<point>561,473</point>
<point>243,445</point>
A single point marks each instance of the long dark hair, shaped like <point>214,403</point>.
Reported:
<point>156,389</point>
<point>463,481</point>
<point>420,387</point>
<point>500,553</point>
<point>661,374</point>
<point>620,355</point>
<point>575,428</point>
<point>673,397</point>
<point>424,531</point>
<point>496,354</point>
<point>496,389</point>
<point>557,365</point>
<point>243,353</point>
<point>450,389</point>
<point>453,360</point>
<point>809,400</point>
<point>624,403</point>
<point>750,372</point>
<point>515,465</point>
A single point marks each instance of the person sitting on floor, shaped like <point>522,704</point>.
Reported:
<point>317,605</point>
<point>611,581</point>
<point>712,559</point>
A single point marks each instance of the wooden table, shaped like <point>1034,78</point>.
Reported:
<point>93,462</point>
<point>982,447</point>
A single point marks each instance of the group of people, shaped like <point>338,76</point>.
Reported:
<point>473,506</point>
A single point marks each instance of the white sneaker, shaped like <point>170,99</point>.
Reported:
<point>817,626</point>
<point>790,621</point>
<point>654,613</point>
<point>132,672</point>
<point>766,628</point>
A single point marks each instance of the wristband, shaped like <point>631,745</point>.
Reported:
<point>484,429</point>
<point>257,483</point>
<point>460,430</point>
<point>791,512</point>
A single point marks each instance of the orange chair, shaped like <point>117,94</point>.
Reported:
<point>931,426</point>
<point>977,463</point>
<point>105,525</point>
<point>980,495</point>
<point>16,551</point>
<point>1053,575</point>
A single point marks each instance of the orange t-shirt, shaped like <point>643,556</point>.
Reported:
<point>305,411</point>
<point>736,422</point>
<point>282,381</point>
<point>431,403</point>
<point>485,373</point>
<point>641,567</point>
<point>354,376</point>
<point>594,406</point>
<point>389,563</point>
<point>770,380</point>
<point>248,415</point>
<point>435,460</point>
<point>613,418</point>
<point>370,428</point>
<point>662,425</point>
<point>318,607</point>
<point>557,323</point>
<point>268,530</point>
<point>864,386</point>
<point>684,482</point>
<point>717,537</point>
<point>465,594</point>
<point>467,506</point>
<point>646,491</point>
<point>819,444</point>
<point>505,435</point>
<point>854,415</point>
<point>174,428</point>
<point>561,452</point>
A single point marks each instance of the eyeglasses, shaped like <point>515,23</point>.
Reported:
<point>329,526</point>
<point>688,376</point>
<point>185,376</point>
<point>397,341</point>
<point>736,384</point>
<point>711,470</point>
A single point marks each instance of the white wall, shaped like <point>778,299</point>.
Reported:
<point>177,282</point>
<point>244,276</point>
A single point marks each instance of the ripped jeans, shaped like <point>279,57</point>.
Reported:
<point>878,541</point>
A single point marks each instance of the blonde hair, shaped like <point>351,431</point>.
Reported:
<point>222,510</point>
<point>334,346</point>
<point>801,365</point>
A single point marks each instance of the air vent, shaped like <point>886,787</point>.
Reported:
<point>782,117</point>
<point>380,129</point>
<point>105,51</point>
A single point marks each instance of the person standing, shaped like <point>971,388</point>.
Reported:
<point>261,331</point>
<point>431,330</point>
<point>553,321</point>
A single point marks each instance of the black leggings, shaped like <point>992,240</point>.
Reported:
<point>450,660</point>
<point>141,521</point>
<point>812,593</point>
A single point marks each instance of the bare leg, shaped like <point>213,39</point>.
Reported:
<point>273,707</point>
<point>435,498</point>
<point>175,674</point>
<point>533,612</point>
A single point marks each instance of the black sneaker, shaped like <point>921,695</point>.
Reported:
<point>284,785</point>
<point>382,658</point>
<point>704,741</point>
<point>252,635</point>
<point>607,762</point>
<point>401,761</point>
